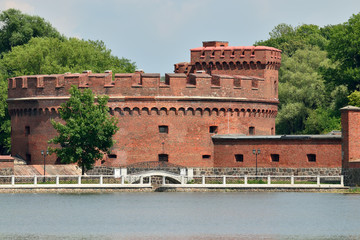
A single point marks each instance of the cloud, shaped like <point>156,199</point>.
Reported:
<point>20,5</point>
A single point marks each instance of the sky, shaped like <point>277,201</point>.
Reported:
<point>156,34</point>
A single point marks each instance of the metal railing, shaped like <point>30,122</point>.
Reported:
<point>74,180</point>
<point>259,181</point>
<point>185,181</point>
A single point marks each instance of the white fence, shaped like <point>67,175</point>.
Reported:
<point>215,181</point>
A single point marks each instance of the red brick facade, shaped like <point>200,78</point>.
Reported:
<point>203,115</point>
<point>303,151</point>
<point>240,98</point>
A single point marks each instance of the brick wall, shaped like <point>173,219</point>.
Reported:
<point>6,165</point>
<point>287,152</point>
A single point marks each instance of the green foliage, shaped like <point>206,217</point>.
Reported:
<point>18,28</point>
<point>344,48</point>
<point>301,89</point>
<point>87,131</point>
<point>52,55</point>
<point>289,39</point>
<point>320,121</point>
<point>354,98</point>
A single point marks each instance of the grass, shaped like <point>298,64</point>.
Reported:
<point>354,190</point>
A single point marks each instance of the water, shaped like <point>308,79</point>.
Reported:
<point>238,215</point>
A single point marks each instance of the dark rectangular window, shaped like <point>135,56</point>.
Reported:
<point>206,156</point>
<point>311,157</point>
<point>163,129</point>
<point>213,129</point>
<point>112,156</point>
<point>27,130</point>
<point>254,83</point>
<point>163,158</point>
<point>239,157</point>
<point>275,157</point>
<point>251,130</point>
<point>28,158</point>
<point>237,82</point>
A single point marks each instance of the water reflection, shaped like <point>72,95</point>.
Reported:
<point>180,215</point>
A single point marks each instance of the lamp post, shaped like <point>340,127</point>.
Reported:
<point>256,152</point>
<point>44,154</point>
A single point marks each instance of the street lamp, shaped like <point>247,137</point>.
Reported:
<point>44,154</point>
<point>256,152</point>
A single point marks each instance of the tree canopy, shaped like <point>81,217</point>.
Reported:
<point>18,28</point>
<point>320,68</point>
<point>87,131</point>
<point>53,55</point>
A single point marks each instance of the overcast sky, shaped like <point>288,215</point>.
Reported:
<point>158,33</point>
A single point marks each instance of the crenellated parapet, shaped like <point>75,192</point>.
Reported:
<point>218,57</point>
<point>141,84</point>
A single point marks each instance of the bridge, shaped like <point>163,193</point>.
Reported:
<point>137,172</point>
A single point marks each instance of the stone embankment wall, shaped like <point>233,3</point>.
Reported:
<point>209,171</point>
<point>269,171</point>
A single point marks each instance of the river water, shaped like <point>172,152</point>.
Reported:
<point>236,215</point>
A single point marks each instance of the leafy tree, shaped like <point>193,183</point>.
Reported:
<point>321,120</point>
<point>301,88</point>
<point>354,98</point>
<point>87,131</point>
<point>289,39</point>
<point>344,48</point>
<point>18,28</point>
<point>52,55</point>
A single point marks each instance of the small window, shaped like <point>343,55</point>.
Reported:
<point>311,157</point>
<point>275,157</point>
<point>28,158</point>
<point>27,130</point>
<point>251,130</point>
<point>206,156</point>
<point>163,129</point>
<point>163,158</point>
<point>237,82</point>
<point>213,129</point>
<point>58,160</point>
<point>112,156</point>
<point>239,157</point>
<point>254,84</point>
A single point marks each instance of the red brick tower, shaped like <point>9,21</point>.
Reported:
<point>159,121</point>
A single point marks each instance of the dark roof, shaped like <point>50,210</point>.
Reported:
<point>274,137</point>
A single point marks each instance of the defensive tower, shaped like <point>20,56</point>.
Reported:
<point>224,90</point>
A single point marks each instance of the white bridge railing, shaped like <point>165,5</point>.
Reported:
<point>72,181</point>
<point>260,181</point>
<point>203,181</point>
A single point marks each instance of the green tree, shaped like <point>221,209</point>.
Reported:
<point>18,28</point>
<point>344,49</point>
<point>354,98</point>
<point>289,39</point>
<point>52,55</point>
<point>301,88</point>
<point>88,129</point>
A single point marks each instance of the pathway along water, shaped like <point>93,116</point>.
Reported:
<point>180,215</point>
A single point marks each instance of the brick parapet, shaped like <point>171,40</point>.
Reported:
<point>140,84</point>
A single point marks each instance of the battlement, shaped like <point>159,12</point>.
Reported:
<point>139,84</point>
<point>217,57</point>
